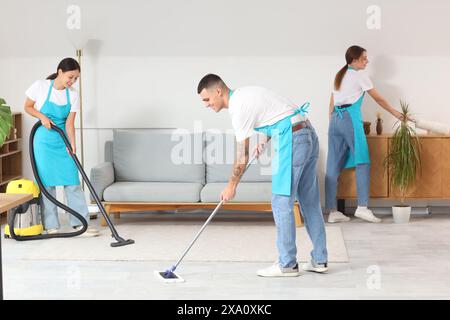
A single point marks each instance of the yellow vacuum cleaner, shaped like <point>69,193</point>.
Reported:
<point>28,222</point>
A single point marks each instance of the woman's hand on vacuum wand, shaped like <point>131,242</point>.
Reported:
<point>46,122</point>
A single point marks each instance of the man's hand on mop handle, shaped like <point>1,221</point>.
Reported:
<point>260,148</point>
<point>228,193</point>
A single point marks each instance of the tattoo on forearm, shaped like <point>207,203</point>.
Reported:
<point>237,172</point>
<point>241,162</point>
<point>238,168</point>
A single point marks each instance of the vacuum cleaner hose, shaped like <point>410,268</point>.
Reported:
<point>49,197</point>
<point>120,241</point>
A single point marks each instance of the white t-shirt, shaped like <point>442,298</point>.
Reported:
<point>353,85</point>
<point>253,107</point>
<point>39,90</point>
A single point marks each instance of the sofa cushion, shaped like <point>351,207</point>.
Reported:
<point>245,192</point>
<point>158,155</point>
<point>101,177</point>
<point>153,192</point>
<point>220,152</point>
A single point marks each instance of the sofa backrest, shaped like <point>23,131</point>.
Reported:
<point>219,155</point>
<point>166,155</point>
<point>109,151</point>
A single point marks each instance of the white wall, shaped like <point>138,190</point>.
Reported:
<point>226,28</point>
<point>145,58</point>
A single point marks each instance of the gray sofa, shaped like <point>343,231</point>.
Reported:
<point>157,169</point>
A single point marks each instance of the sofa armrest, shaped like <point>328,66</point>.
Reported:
<point>102,176</point>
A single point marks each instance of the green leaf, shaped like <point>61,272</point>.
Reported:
<point>5,121</point>
<point>404,154</point>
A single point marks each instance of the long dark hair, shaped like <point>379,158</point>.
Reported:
<point>353,53</point>
<point>67,64</point>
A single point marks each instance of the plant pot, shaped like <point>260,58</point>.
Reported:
<point>401,214</point>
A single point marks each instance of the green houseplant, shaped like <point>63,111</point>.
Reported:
<point>6,121</point>
<point>403,162</point>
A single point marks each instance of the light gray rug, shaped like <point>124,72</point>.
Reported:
<point>167,241</point>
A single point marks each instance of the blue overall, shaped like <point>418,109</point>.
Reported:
<point>347,148</point>
<point>360,153</point>
<point>294,177</point>
<point>281,134</point>
<point>55,166</point>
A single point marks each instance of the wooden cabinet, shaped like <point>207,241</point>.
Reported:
<point>445,169</point>
<point>432,182</point>
<point>11,154</point>
<point>378,149</point>
<point>428,184</point>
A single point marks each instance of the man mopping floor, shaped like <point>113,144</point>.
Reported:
<point>293,167</point>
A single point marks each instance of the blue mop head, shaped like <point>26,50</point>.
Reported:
<point>169,275</point>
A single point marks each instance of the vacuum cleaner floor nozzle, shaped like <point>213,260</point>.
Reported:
<point>168,276</point>
<point>122,243</point>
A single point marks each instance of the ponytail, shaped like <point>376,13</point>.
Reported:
<point>52,76</point>
<point>339,76</point>
<point>353,53</point>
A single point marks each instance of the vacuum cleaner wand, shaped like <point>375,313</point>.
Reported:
<point>120,241</point>
<point>169,275</point>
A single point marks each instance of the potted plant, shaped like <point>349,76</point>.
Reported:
<point>5,121</point>
<point>403,162</point>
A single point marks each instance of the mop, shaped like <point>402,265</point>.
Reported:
<point>169,275</point>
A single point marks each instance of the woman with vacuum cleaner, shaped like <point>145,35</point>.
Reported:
<point>347,144</point>
<point>55,101</point>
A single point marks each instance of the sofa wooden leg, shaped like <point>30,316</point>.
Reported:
<point>117,215</point>
<point>103,221</point>
<point>297,215</point>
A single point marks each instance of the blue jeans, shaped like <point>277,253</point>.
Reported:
<point>304,188</point>
<point>341,141</point>
<point>75,200</point>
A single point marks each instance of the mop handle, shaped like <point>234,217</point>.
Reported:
<point>206,223</point>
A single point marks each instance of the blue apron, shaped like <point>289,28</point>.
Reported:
<point>55,166</point>
<point>361,155</point>
<point>281,135</point>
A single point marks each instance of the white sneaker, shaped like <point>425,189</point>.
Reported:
<point>52,231</point>
<point>90,232</point>
<point>276,270</point>
<point>337,216</point>
<point>313,267</point>
<point>366,214</point>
